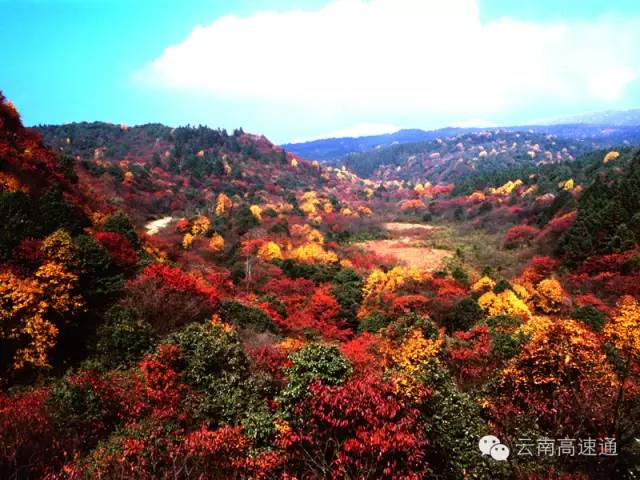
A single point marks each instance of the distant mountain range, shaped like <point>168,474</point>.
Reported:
<point>612,127</point>
<point>614,118</point>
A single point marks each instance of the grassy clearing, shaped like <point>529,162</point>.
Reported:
<point>476,249</point>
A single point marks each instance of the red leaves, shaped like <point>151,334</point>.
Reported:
<point>319,311</point>
<point>470,357</point>
<point>520,235</point>
<point>169,297</point>
<point>538,269</point>
<point>164,390</point>
<point>224,448</point>
<point>25,434</point>
<point>357,427</point>
<point>119,248</point>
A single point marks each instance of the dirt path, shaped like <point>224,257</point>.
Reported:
<point>155,226</point>
<point>407,248</point>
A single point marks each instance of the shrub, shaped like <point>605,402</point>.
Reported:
<point>520,235</point>
<point>245,316</point>
<point>356,430</point>
<point>347,290</point>
<point>590,316</point>
<point>373,322</point>
<point>314,362</point>
<point>454,427</point>
<point>167,297</point>
<point>217,369</point>
<point>463,315</point>
<point>120,223</point>
<point>123,339</point>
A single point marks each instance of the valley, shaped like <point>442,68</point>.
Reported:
<point>407,247</point>
<point>186,299</point>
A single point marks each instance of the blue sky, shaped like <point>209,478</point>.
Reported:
<point>336,68</point>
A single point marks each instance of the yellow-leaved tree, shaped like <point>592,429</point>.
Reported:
<point>269,251</point>
<point>503,303</point>
<point>256,211</point>
<point>200,226</point>
<point>313,253</point>
<point>623,332</point>
<point>549,296</point>
<point>408,358</point>
<point>31,310</point>
<point>223,204</point>
<point>216,244</point>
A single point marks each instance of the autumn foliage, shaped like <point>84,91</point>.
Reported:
<point>257,332</point>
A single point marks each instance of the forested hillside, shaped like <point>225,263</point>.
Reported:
<point>192,303</point>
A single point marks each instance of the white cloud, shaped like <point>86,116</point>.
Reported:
<point>379,58</point>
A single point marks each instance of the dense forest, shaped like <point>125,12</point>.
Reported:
<point>190,303</point>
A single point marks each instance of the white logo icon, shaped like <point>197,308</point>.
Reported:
<point>490,445</point>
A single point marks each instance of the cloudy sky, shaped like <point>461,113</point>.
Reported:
<point>307,69</point>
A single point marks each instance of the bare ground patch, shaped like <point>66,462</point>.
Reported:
<point>407,246</point>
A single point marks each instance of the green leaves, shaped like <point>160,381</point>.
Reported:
<point>314,362</point>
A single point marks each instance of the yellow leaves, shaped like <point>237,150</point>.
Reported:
<point>43,334</point>
<point>256,211</point>
<point>58,286</point>
<point>610,156</point>
<point>291,344</point>
<point>200,226</point>
<point>216,244</point>
<point>531,190</point>
<point>187,241</point>
<point>17,296</point>
<point>549,295</point>
<point>534,325</point>
<point>503,303</point>
<point>128,178</point>
<point>25,305</point>
<point>477,197</point>
<point>59,247</point>
<point>365,211</point>
<point>10,183</point>
<point>623,331</point>
<point>415,350</point>
<point>226,167</point>
<point>307,233</point>
<point>412,205</point>
<point>379,282</point>
<point>282,427</point>
<point>269,251</point>
<point>294,162</point>
<point>309,203</point>
<point>568,185</point>
<point>308,208</point>
<point>346,263</point>
<point>483,285</point>
<point>409,358</point>
<point>521,291</point>
<point>313,253</point>
<point>217,321</point>
<point>507,188</point>
<point>347,212</point>
<point>223,204</point>
<point>558,352</point>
